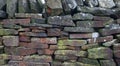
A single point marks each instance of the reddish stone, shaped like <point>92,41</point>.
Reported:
<point>99,18</point>
<point>46,52</point>
<point>53,32</point>
<point>34,45</point>
<point>45,40</point>
<point>100,39</point>
<point>16,21</point>
<point>53,47</point>
<point>24,38</point>
<point>24,51</point>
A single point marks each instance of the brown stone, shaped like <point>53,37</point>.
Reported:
<point>116,47</point>
<point>117,54</point>
<point>54,32</point>
<point>24,39</point>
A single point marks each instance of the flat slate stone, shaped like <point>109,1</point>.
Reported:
<point>61,20</point>
<point>78,29</point>
<point>82,16</point>
<point>106,3</point>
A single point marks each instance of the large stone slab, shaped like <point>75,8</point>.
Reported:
<point>78,29</point>
<point>61,20</point>
<point>106,3</point>
<point>100,53</point>
<point>11,7</point>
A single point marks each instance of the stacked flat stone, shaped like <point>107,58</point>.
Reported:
<point>59,33</point>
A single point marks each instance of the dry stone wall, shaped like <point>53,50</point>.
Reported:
<point>59,32</point>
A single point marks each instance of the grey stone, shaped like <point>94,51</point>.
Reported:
<point>79,2</point>
<point>110,43</point>
<point>54,7</point>
<point>78,29</point>
<point>117,3</point>
<point>68,5</point>
<point>106,3</point>
<point>96,10</point>
<point>91,3</point>
<point>3,14</point>
<point>82,16</point>
<point>2,3</point>
<point>33,6</point>
<point>23,6</point>
<point>100,53</point>
<point>110,62</point>
<point>61,20</point>
<point>89,61</point>
<point>11,7</point>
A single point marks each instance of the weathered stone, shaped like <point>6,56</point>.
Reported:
<point>22,51</point>
<point>28,15</point>
<point>81,54</point>
<point>118,21</point>
<point>66,52</point>
<point>78,29</point>
<point>33,6</point>
<point>37,64</point>
<point>11,26</point>
<point>65,58</point>
<point>117,2</point>
<point>94,23</point>
<point>56,63</point>
<point>15,21</point>
<point>69,64</point>
<point>45,40</point>
<point>8,32</point>
<point>1,49</point>
<point>54,7</point>
<point>11,7</point>
<point>82,16</point>
<point>4,56</point>
<point>32,34</point>
<point>54,32</point>
<point>61,43</point>
<point>116,46</point>
<point>91,3</point>
<point>11,40</point>
<point>69,5</point>
<point>100,53</point>
<point>61,20</point>
<point>111,31</point>
<point>107,62</point>
<point>100,39</point>
<point>24,38</point>
<point>89,61</point>
<point>96,11</point>
<point>46,52</point>
<point>89,46</point>
<point>2,4</point>
<point>102,18</point>
<point>87,35</point>
<point>79,2</point>
<point>2,62</point>
<point>39,21</point>
<point>34,45</point>
<point>110,43</point>
<point>37,58</point>
<point>23,6</point>
<point>3,14</point>
<point>106,3</point>
<point>117,62</point>
<point>117,54</point>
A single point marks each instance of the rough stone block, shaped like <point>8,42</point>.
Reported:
<point>11,40</point>
<point>100,53</point>
<point>54,32</point>
<point>71,42</point>
<point>61,20</point>
<point>107,62</point>
<point>45,40</point>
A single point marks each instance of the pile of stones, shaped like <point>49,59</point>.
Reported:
<point>59,32</point>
